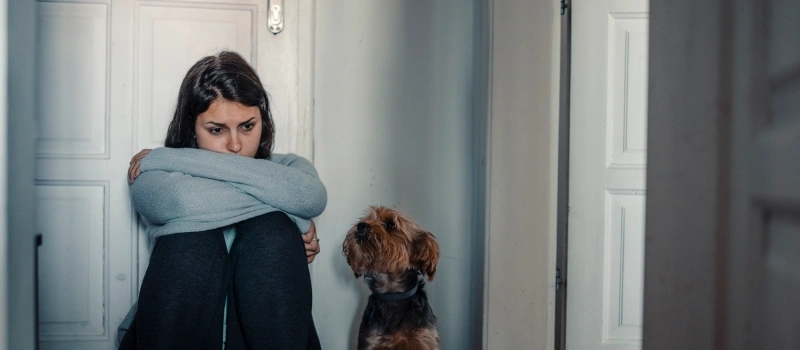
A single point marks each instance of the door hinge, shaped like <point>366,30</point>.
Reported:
<point>559,281</point>
<point>37,242</point>
<point>564,7</point>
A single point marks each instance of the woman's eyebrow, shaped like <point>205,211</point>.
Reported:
<point>240,124</point>
<point>247,122</point>
<point>217,124</point>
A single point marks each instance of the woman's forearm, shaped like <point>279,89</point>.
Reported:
<point>287,182</point>
<point>163,197</point>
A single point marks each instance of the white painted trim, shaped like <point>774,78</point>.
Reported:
<point>555,115</point>
<point>521,176</point>
<point>303,133</point>
<point>285,64</point>
<point>303,143</point>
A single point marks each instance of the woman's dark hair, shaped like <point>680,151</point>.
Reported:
<point>225,75</point>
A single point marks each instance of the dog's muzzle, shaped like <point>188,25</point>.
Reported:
<point>362,232</point>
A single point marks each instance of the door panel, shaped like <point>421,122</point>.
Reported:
<point>775,175</point>
<point>72,83</point>
<point>170,39</point>
<point>765,229</point>
<point>783,282</point>
<point>72,269</point>
<point>627,46</point>
<point>608,123</point>
<point>625,232</point>
<point>75,185</point>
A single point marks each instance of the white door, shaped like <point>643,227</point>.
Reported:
<point>607,161</point>
<point>108,78</point>
<point>765,187</point>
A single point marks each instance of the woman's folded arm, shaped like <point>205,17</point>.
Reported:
<point>287,182</point>
<point>163,197</point>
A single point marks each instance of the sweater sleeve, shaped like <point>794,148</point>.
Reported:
<point>163,197</point>
<point>286,182</point>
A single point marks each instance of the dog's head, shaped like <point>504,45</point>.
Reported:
<point>385,240</point>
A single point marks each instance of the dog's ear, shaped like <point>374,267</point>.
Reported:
<point>426,254</point>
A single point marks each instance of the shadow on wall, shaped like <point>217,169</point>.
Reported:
<point>394,126</point>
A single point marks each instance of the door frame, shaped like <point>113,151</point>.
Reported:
<point>3,176</point>
<point>674,316</point>
<point>522,99</point>
<point>562,222</point>
<point>19,156</point>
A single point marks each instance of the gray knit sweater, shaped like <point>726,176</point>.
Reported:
<point>193,190</point>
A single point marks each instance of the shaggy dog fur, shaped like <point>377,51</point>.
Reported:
<point>391,251</point>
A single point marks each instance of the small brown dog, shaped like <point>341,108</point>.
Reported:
<point>390,250</point>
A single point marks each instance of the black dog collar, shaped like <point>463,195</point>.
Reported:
<point>397,296</point>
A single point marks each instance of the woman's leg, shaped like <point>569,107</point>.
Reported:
<point>272,285</point>
<point>235,339</point>
<point>313,339</point>
<point>183,293</point>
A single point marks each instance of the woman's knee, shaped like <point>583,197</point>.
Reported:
<point>272,232</point>
<point>273,222</point>
<point>204,250</point>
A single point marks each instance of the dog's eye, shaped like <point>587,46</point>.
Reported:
<point>388,224</point>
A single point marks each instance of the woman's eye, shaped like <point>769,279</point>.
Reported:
<point>215,131</point>
<point>248,126</point>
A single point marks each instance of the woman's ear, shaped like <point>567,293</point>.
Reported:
<point>426,254</point>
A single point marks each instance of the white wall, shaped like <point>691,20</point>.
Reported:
<point>396,124</point>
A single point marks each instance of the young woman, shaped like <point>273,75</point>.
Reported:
<point>227,217</point>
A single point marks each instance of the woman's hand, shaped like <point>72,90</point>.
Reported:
<point>312,242</point>
<point>133,170</point>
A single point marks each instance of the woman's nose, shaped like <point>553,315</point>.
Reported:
<point>234,145</point>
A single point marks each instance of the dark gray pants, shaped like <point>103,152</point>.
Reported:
<point>265,277</point>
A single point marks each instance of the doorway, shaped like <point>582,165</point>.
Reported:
<point>601,217</point>
<point>107,80</point>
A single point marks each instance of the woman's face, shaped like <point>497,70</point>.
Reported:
<point>229,127</point>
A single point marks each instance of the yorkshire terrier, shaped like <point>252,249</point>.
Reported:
<point>391,251</point>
